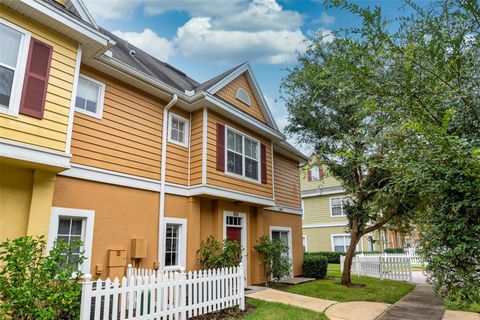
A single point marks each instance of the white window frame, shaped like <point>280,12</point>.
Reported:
<point>88,216</point>
<point>19,75</point>
<point>101,98</point>
<point>332,236</point>
<point>259,160</point>
<point>237,95</point>
<point>317,170</point>
<point>303,209</point>
<point>182,246</point>
<point>290,249</point>
<point>186,129</point>
<point>305,242</point>
<point>342,198</point>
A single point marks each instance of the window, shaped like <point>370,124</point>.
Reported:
<point>303,209</point>
<point>304,242</point>
<point>340,243</point>
<point>234,221</point>
<point>315,173</point>
<point>13,61</point>
<point>175,243</point>
<point>242,155</point>
<point>178,132</point>
<point>337,206</point>
<point>69,226</point>
<point>242,95</point>
<point>283,234</point>
<point>90,94</point>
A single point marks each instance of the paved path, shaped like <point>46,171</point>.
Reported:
<point>420,304</point>
<point>356,310</point>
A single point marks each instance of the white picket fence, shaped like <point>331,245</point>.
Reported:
<point>380,266</point>
<point>415,260</point>
<point>163,295</point>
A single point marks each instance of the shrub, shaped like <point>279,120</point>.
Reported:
<point>315,266</point>
<point>38,286</point>
<point>332,257</point>
<point>272,253</point>
<point>394,250</point>
<point>214,254</point>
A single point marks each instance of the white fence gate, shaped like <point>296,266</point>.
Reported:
<point>415,259</point>
<point>380,266</point>
<point>162,295</point>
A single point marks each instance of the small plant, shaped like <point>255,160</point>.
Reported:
<point>273,255</point>
<point>214,254</point>
<point>315,266</point>
<point>38,286</point>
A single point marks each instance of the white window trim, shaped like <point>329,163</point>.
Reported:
<point>89,216</point>
<point>248,102</point>
<point>290,249</point>
<point>182,252</point>
<point>101,98</point>
<point>338,235</point>
<point>242,176</point>
<point>19,76</point>
<point>172,116</point>
<point>303,209</point>
<point>305,241</point>
<point>342,215</point>
<point>244,234</point>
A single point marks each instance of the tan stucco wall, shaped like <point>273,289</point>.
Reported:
<point>120,214</point>
<point>15,196</point>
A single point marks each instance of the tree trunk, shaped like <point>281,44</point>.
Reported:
<point>347,264</point>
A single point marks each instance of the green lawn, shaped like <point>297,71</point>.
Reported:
<point>376,290</point>
<point>278,311</point>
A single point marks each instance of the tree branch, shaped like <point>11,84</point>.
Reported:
<point>381,222</point>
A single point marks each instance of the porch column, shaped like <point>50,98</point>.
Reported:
<point>41,202</point>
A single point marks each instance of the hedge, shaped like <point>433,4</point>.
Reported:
<point>394,250</point>
<point>315,266</point>
<point>332,257</point>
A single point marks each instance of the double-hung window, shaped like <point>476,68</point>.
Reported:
<point>175,243</point>
<point>242,155</point>
<point>337,206</point>
<point>13,59</point>
<point>178,132</point>
<point>71,231</point>
<point>340,243</point>
<point>90,95</point>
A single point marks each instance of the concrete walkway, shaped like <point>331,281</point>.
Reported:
<point>356,310</point>
<point>420,304</point>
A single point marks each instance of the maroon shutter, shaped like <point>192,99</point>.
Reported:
<point>309,175</point>
<point>220,147</point>
<point>36,79</point>
<point>263,158</point>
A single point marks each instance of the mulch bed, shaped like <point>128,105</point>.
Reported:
<point>230,313</point>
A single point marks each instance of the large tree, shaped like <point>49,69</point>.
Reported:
<point>414,87</point>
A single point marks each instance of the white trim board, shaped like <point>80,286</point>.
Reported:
<point>27,152</point>
<point>324,225</point>
<point>71,114</point>
<point>305,194</point>
<point>282,209</point>
<point>88,216</point>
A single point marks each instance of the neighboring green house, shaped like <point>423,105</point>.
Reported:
<point>324,222</point>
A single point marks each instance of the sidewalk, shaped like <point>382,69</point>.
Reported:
<point>420,304</point>
<point>355,310</point>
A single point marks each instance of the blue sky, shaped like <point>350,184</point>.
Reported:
<point>206,37</point>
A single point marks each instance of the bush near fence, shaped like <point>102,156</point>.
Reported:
<point>333,257</point>
<point>315,266</point>
<point>394,250</point>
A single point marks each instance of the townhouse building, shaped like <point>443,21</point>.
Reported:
<point>324,222</point>
<point>100,141</point>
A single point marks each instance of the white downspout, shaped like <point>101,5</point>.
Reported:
<point>163,169</point>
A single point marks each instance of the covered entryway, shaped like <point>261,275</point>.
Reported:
<point>235,228</point>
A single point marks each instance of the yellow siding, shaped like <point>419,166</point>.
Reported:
<point>326,182</point>
<point>317,210</point>
<point>229,92</point>
<point>218,178</point>
<point>196,148</point>
<point>287,184</point>
<point>51,131</point>
<point>128,138</point>
<point>320,239</point>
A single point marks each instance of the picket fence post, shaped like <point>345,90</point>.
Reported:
<point>86,300</point>
<point>183,294</point>
<point>380,267</point>
<point>241,288</point>
<point>129,270</point>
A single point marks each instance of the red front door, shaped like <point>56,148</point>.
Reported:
<point>235,234</point>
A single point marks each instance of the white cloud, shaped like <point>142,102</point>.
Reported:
<point>325,19</point>
<point>150,42</point>
<point>111,9</point>
<point>198,39</point>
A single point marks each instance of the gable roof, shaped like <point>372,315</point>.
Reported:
<point>213,85</point>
